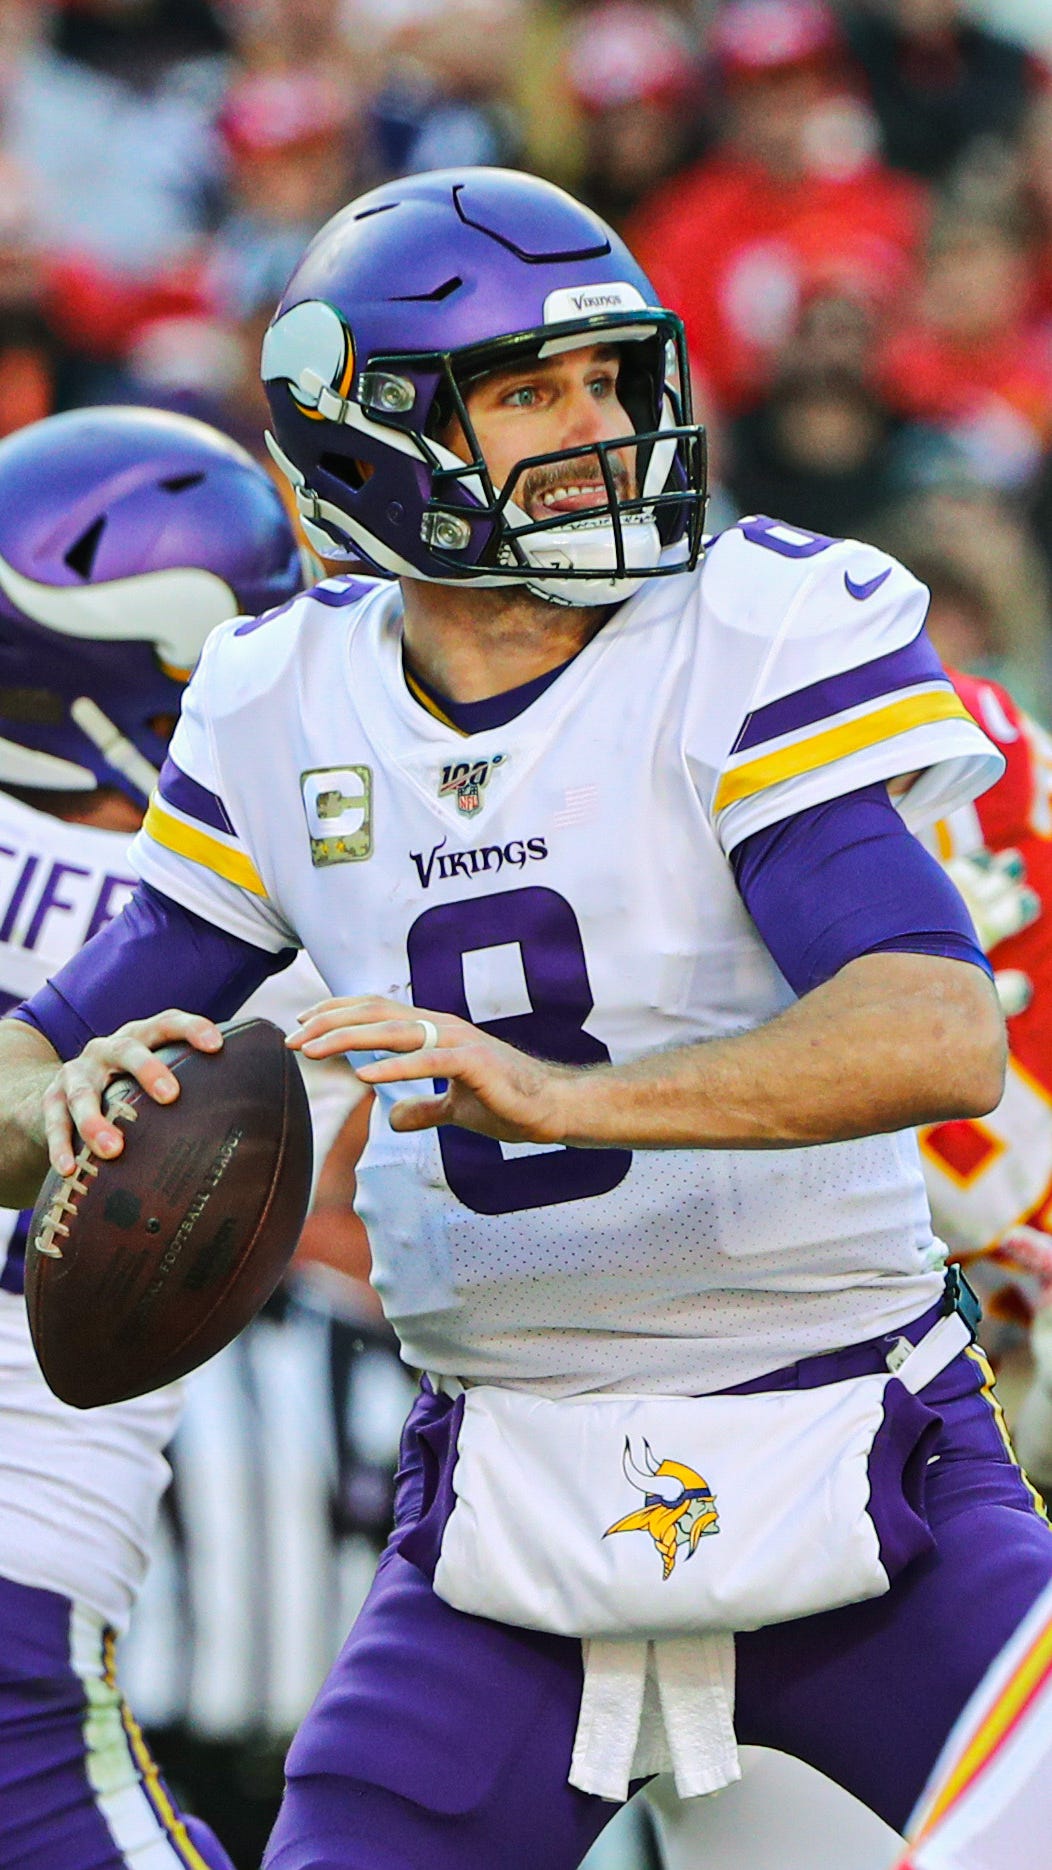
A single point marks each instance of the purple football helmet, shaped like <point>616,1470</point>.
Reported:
<point>400,301</point>
<point>126,535</point>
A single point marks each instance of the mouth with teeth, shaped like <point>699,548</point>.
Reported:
<point>548,492</point>
<point>571,499</point>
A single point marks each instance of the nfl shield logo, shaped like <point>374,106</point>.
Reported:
<point>469,797</point>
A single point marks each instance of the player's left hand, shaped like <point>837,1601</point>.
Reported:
<point>491,1087</point>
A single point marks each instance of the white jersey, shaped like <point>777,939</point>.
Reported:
<point>565,881</point>
<point>79,1489</point>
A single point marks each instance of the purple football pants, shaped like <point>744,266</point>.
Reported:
<point>443,1740</point>
<point>78,1790</point>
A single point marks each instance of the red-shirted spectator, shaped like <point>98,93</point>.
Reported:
<point>793,181</point>
<point>975,359</point>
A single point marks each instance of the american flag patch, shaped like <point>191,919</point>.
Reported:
<point>580,806</point>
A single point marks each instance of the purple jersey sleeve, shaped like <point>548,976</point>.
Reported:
<point>846,879</point>
<point>155,954</point>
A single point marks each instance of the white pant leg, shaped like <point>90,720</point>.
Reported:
<point>625,1844</point>
<point>781,1815</point>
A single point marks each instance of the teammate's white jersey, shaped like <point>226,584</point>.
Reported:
<point>988,1801</point>
<point>565,881</point>
<point>79,1489</point>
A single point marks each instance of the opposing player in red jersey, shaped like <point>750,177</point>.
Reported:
<point>989,1177</point>
<point>990,1182</point>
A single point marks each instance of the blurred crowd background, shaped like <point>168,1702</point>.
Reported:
<point>851,207</point>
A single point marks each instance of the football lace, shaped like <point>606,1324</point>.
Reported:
<point>62,1202</point>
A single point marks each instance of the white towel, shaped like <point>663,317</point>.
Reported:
<point>656,1707</point>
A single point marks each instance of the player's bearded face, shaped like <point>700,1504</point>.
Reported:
<point>541,407</point>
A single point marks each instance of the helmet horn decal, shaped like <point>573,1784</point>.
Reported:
<point>311,349</point>
<point>170,609</point>
<point>28,766</point>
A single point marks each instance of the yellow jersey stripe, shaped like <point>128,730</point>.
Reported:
<point>1029,1677</point>
<point>186,841</point>
<point>835,743</point>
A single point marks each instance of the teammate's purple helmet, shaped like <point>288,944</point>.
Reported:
<point>403,298</point>
<point>126,535</point>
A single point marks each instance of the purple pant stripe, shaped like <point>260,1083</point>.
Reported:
<point>13,1261</point>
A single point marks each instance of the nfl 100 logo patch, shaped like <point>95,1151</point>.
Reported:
<point>338,801</point>
<point>465,780</point>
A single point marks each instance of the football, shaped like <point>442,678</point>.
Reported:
<point>140,1268</point>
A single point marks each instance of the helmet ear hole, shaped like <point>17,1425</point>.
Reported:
<point>346,468</point>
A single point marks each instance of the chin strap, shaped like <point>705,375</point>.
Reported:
<point>591,549</point>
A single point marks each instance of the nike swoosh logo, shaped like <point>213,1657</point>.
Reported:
<point>862,591</point>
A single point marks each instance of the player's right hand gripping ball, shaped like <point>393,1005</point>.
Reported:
<point>141,1268</point>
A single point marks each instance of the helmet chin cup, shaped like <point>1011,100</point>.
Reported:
<point>591,549</point>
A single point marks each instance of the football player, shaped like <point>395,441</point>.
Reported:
<point>990,1181</point>
<point>126,535</point>
<point>605,848</point>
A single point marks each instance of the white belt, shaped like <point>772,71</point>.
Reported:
<point>445,1386</point>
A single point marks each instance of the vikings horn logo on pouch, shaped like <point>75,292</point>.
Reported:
<point>679,1509</point>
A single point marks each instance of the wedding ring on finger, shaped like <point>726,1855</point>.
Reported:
<point>430,1032</point>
